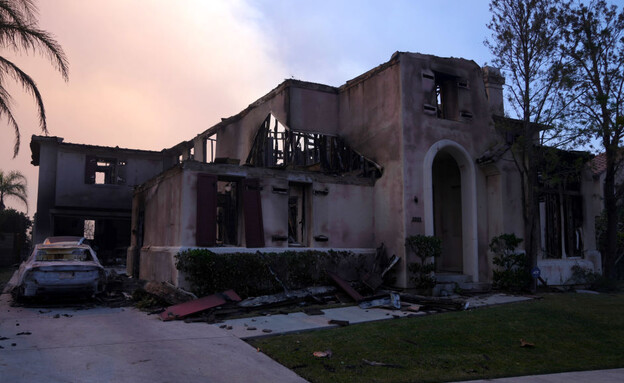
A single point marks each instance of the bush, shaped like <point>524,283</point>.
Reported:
<point>16,226</point>
<point>595,281</point>
<point>427,248</point>
<point>261,273</point>
<point>512,273</point>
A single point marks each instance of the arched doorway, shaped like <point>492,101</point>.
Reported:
<point>449,178</point>
<point>447,212</point>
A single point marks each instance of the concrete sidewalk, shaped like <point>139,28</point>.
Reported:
<point>598,376</point>
<point>286,323</point>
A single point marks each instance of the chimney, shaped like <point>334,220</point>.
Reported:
<point>494,82</point>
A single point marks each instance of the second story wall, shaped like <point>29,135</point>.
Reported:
<point>101,178</point>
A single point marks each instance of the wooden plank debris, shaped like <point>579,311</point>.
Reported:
<point>346,287</point>
<point>198,305</point>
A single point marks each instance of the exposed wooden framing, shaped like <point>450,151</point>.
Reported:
<point>280,147</point>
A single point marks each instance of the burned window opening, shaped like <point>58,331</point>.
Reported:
<point>105,171</point>
<point>561,202</point>
<point>563,223</point>
<point>445,96</point>
<point>227,213</point>
<point>276,146</point>
<point>210,148</point>
<point>297,215</point>
<point>89,229</point>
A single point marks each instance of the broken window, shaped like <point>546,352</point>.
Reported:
<point>219,202</point>
<point>297,206</point>
<point>89,229</point>
<point>563,222</point>
<point>105,171</point>
<point>277,146</point>
<point>227,213</point>
<point>561,202</point>
<point>442,96</point>
<point>210,148</point>
<point>445,99</point>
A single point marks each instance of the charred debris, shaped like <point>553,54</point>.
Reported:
<point>369,291</point>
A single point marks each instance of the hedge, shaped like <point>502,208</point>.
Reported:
<point>254,274</point>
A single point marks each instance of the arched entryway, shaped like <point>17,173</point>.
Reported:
<point>450,197</point>
<point>447,212</point>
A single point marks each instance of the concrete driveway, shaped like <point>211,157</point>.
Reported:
<point>123,345</point>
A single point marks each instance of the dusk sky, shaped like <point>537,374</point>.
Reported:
<point>148,74</point>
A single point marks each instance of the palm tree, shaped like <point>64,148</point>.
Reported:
<point>19,32</point>
<point>12,184</point>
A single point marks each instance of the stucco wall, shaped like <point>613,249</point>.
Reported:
<point>343,214</point>
<point>466,139</point>
<point>163,211</point>
<point>71,189</point>
<point>46,192</point>
<point>371,124</point>
<point>235,138</point>
<point>312,110</point>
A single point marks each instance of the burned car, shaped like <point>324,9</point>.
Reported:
<point>60,265</point>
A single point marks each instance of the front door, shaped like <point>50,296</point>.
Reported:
<point>447,210</point>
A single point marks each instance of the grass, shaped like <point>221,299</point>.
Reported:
<point>570,332</point>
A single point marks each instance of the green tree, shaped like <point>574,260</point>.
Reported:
<point>524,43</point>
<point>594,42</point>
<point>17,224</point>
<point>12,184</point>
<point>19,33</point>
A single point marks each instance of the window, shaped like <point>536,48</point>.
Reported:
<point>105,171</point>
<point>297,231</point>
<point>210,147</point>
<point>227,213</point>
<point>89,229</point>
<point>446,96</point>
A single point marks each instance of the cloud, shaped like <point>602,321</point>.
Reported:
<point>143,74</point>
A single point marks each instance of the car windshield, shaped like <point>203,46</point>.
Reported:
<point>69,254</point>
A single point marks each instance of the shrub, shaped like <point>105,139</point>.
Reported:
<point>257,274</point>
<point>512,273</point>
<point>427,248</point>
<point>596,281</point>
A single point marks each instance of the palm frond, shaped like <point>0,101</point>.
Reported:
<point>13,184</point>
<point>20,37</point>
<point>5,109</point>
<point>29,85</point>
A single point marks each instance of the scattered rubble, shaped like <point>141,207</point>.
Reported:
<point>346,287</point>
<point>168,292</point>
<point>393,301</point>
<point>289,297</point>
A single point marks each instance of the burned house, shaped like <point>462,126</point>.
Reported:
<point>86,190</point>
<point>409,147</point>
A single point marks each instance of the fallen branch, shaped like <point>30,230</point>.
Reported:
<point>380,364</point>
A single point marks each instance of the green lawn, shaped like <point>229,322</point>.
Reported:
<point>570,332</point>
